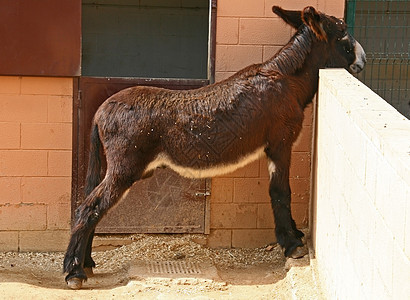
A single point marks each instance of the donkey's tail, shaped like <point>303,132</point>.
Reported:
<point>94,162</point>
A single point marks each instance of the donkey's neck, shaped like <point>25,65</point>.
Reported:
<point>296,62</point>
<point>292,56</point>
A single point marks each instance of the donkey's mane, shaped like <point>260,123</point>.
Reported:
<point>292,56</point>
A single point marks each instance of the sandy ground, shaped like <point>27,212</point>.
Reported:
<point>261,273</point>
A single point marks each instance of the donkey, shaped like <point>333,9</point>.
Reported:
<point>212,130</point>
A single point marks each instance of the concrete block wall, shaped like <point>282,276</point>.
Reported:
<point>248,32</point>
<point>35,162</point>
<point>362,192</point>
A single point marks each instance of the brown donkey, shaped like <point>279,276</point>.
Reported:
<point>212,130</point>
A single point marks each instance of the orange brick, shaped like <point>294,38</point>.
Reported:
<point>60,109</point>
<point>263,167</point>
<point>46,86</point>
<point>10,84</point>
<point>270,51</point>
<point>304,141</point>
<point>10,190</point>
<point>300,213</point>
<point>286,4</point>
<point>271,31</point>
<point>244,8</point>
<point>50,240</point>
<point>9,135</point>
<point>23,163</point>
<point>333,8</point>
<point>300,188</point>
<point>227,216</point>
<point>46,189</point>
<point>219,238</point>
<point>300,165</point>
<point>219,76</point>
<point>58,216</point>
<point>46,136</point>
<point>227,31</point>
<point>9,241</point>
<point>265,216</point>
<point>251,190</point>
<point>222,190</point>
<point>236,57</point>
<point>252,238</point>
<point>23,108</point>
<point>23,217</point>
<point>308,115</point>
<point>59,163</point>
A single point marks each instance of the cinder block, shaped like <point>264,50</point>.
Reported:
<point>263,167</point>
<point>59,163</point>
<point>46,189</point>
<point>293,5</point>
<point>220,238</point>
<point>219,76</point>
<point>304,141</point>
<point>251,190</point>
<point>226,216</point>
<point>227,31</point>
<point>270,51</point>
<point>60,109</point>
<point>23,163</point>
<point>255,31</point>
<point>10,84</point>
<point>9,135</point>
<point>222,190</point>
<point>9,241</point>
<point>232,58</point>
<point>10,190</point>
<point>300,188</point>
<point>252,238</point>
<point>23,217</point>
<point>46,136</point>
<point>48,240</point>
<point>333,8</point>
<point>59,216</point>
<point>300,213</point>
<point>23,108</point>
<point>300,165</point>
<point>265,216</point>
<point>245,8</point>
<point>46,86</point>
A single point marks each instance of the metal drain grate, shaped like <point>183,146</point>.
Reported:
<point>173,267</point>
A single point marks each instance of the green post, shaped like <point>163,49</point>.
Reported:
<point>350,15</point>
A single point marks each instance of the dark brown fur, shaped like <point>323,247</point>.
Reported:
<point>260,106</point>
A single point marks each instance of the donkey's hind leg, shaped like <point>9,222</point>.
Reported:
<point>89,263</point>
<point>104,196</point>
<point>288,236</point>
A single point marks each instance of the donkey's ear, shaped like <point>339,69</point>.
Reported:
<point>291,17</point>
<point>313,19</point>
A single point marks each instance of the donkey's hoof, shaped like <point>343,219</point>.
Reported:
<point>89,272</point>
<point>75,283</point>
<point>299,252</point>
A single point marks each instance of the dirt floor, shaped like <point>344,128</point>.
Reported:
<point>187,270</point>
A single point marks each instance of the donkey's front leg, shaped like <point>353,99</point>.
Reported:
<point>288,236</point>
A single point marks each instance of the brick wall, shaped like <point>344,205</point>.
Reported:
<point>35,162</point>
<point>248,32</point>
<point>362,206</point>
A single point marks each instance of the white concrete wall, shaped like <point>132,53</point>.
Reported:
<point>361,229</point>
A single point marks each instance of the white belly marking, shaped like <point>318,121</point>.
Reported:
<point>163,159</point>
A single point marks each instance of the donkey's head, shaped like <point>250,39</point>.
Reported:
<point>345,51</point>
